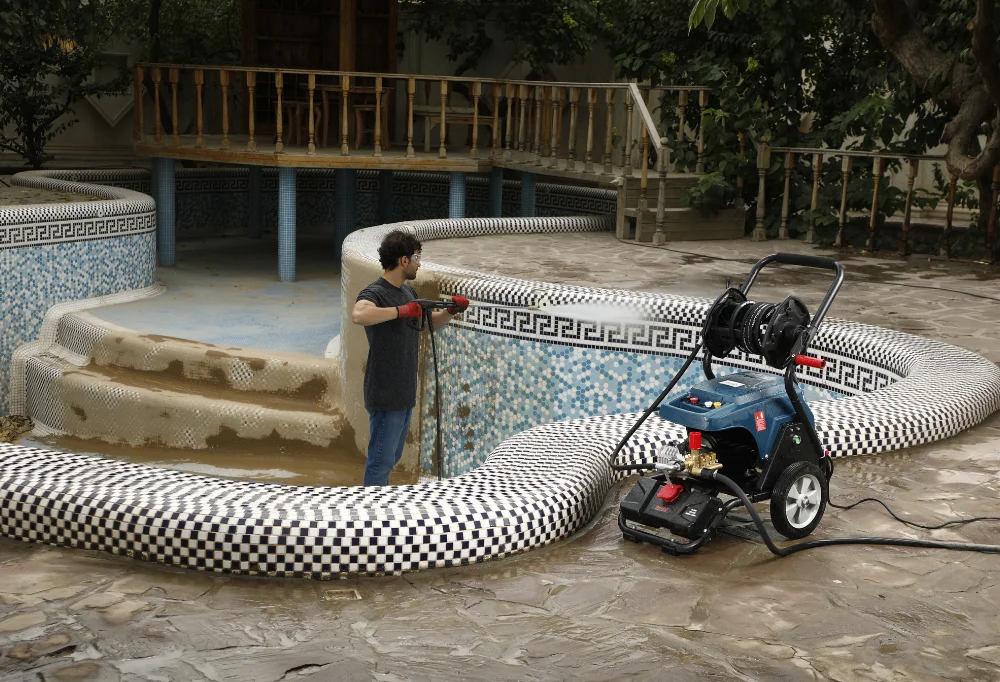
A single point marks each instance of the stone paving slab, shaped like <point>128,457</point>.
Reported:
<point>592,607</point>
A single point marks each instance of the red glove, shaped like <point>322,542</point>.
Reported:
<point>460,304</point>
<point>411,309</point>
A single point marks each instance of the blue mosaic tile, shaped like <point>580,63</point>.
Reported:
<point>542,383</point>
<point>36,278</point>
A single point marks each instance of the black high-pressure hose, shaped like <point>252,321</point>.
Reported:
<point>656,404</point>
<point>713,475</point>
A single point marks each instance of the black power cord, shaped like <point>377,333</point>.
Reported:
<point>813,544</point>
<point>914,524</point>
<point>743,260</point>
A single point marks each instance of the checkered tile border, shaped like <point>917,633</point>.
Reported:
<point>535,488</point>
<point>119,212</point>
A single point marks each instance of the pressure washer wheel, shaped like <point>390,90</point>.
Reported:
<point>799,500</point>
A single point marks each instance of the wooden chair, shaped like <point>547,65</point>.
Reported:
<point>297,117</point>
<point>364,121</point>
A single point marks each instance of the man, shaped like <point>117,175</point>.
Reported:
<point>390,316</point>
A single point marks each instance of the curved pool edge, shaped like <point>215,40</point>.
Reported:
<point>536,487</point>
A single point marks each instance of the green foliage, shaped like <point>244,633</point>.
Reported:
<point>186,31</point>
<point>48,51</point>
<point>791,73</point>
<point>541,33</point>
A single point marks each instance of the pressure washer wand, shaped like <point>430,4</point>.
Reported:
<point>429,306</point>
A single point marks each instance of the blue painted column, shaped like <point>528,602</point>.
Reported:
<point>527,195</point>
<point>253,202</point>
<point>456,195</point>
<point>166,211</point>
<point>496,192</point>
<point>286,224</point>
<point>385,196</point>
<point>346,209</point>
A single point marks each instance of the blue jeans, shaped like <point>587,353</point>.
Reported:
<point>385,447</point>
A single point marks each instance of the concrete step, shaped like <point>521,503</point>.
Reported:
<point>206,365</point>
<point>687,224</point>
<point>136,408</point>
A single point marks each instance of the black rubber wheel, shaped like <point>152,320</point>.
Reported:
<point>799,500</point>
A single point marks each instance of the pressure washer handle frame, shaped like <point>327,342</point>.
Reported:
<point>821,262</point>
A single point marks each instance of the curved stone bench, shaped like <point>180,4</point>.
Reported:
<point>536,487</point>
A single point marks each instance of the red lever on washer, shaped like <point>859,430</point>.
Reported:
<point>810,361</point>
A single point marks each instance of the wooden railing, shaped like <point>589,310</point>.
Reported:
<point>879,162</point>
<point>561,127</point>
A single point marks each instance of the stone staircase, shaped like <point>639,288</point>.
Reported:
<point>680,223</point>
<point>101,381</point>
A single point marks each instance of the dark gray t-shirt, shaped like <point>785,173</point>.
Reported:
<point>391,372</point>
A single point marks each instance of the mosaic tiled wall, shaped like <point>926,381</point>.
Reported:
<point>493,387</point>
<point>52,253</point>
<point>214,201</point>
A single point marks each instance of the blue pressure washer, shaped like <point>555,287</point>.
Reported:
<point>750,435</point>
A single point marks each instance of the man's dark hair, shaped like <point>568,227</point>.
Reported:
<point>396,245</point>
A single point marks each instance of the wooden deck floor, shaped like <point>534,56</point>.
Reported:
<point>458,158</point>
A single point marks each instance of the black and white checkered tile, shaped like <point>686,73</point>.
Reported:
<point>536,487</point>
<point>118,212</point>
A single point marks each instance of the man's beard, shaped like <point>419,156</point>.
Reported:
<point>410,275</point>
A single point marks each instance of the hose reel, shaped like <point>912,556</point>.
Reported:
<point>766,329</point>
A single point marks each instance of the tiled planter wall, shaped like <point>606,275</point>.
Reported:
<point>53,253</point>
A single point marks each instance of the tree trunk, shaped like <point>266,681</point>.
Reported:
<point>949,80</point>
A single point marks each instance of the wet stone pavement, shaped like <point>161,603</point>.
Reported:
<point>591,607</point>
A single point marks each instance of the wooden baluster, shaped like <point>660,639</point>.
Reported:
<point>224,83</point>
<point>640,214</point>
<point>682,102</point>
<point>175,77</point>
<point>949,217</point>
<point>477,90</point>
<point>911,175</point>
<point>411,89</point>
<point>789,164</point>
<point>140,124</point>
<point>702,105</point>
<point>814,206</point>
<point>588,162</point>
<point>627,140</point>
<point>609,99</point>
<point>523,93</point>
<point>510,90</point>
<point>763,163</point>
<point>739,176</point>
<point>199,83</point>
<point>539,98</point>
<point>554,137</point>
<point>311,85</point>
<point>660,237</point>
<point>378,116</point>
<point>251,84</point>
<point>157,123</point>
<point>212,88</point>
<point>279,143</point>
<point>442,152</point>
<point>845,169</point>
<point>495,130</point>
<point>991,228</point>
<point>574,107</point>
<point>345,90</point>
<point>878,166</point>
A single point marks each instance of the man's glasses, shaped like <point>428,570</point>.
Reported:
<point>415,257</point>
